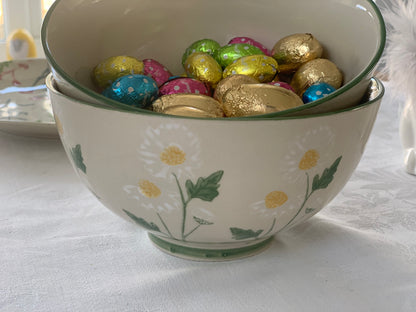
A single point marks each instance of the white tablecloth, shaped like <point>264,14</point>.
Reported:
<point>61,250</point>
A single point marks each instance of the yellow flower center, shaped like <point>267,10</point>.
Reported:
<point>309,160</point>
<point>275,199</point>
<point>149,189</point>
<point>172,156</point>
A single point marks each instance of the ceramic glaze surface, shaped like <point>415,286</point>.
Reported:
<point>207,186</point>
<point>351,31</point>
<point>25,107</point>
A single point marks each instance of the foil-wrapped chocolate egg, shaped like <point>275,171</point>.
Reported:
<point>263,68</point>
<point>256,99</point>
<point>231,52</point>
<point>203,67</point>
<point>107,71</point>
<point>317,91</point>
<point>207,46</point>
<point>282,84</point>
<point>157,71</point>
<point>317,70</point>
<point>252,42</point>
<point>294,50</point>
<point>178,76</point>
<point>135,90</point>
<point>184,85</point>
<point>230,82</point>
<point>190,105</point>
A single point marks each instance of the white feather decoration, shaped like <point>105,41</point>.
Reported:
<point>399,59</point>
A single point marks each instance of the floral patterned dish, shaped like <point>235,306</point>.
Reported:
<point>25,108</point>
<point>212,189</point>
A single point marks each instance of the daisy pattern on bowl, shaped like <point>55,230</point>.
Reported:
<point>314,169</point>
<point>304,154</point>
<point>167,197</point>
<point>269,208</point>
<point>308,163</point>
<point>170,148</point>
<point>155,195</point>
<point>170,156</point>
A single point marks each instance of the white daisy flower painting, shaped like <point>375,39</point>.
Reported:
<point>169,155</point>
<point>268,208</point>
<point>303,154</point>
<point>170,148</point>
<point>315,168</point>
<point>153,195</point>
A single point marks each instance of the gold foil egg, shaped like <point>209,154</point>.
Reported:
<point>256,99</point>
<point>231,81</point>
<point>292,51</point>
<point>107,71</point>
<point>317,70</point>
<point>260,67</point>
<point>203,67</point>
<point>190,105</point>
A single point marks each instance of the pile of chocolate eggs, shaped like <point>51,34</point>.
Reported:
<point>241,78</point>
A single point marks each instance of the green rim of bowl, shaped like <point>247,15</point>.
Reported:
<point>380,86</point>
<point>201,254</point>
<point>276,115</point>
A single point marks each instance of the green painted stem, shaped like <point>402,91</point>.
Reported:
<point>303,204</point>
<point>194,229</point>
<point>184,206</point>
<point>164,225</point>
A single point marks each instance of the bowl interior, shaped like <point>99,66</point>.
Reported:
<point>351,31</point>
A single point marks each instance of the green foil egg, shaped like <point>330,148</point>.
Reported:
<point>231,52</point>
<point>260,67</point>
<point>207,46</point>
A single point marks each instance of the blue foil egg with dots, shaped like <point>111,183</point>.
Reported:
<point>135,90</point>
<point>317,91</point>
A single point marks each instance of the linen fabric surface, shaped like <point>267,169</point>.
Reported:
<point>62,250</point>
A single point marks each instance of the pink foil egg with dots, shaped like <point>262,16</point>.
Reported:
<point>251,42</point>
<point>281,84</point>
<point>184,85</point>
<point>157,71</point>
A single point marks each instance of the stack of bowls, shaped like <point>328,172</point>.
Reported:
<point>204,188</point>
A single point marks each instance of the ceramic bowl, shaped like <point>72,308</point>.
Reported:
<point>212,189</point>
<point>351,31</point>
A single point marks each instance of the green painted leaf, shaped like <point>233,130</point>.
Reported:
<point>140,221</point>
<point>238,233</point>
<point>76,155</point>
<point>202,221</point>
<point>190,188</point>
<point>205,188</point>
<point>327,176</point>
<point>309,210</point>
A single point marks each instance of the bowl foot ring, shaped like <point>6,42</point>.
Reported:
<point>210,254</point>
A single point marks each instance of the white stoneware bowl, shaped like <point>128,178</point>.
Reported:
<point>78,34</point>
<point>212,189</point>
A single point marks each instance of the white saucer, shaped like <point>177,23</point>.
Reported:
<point>25,108</point>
